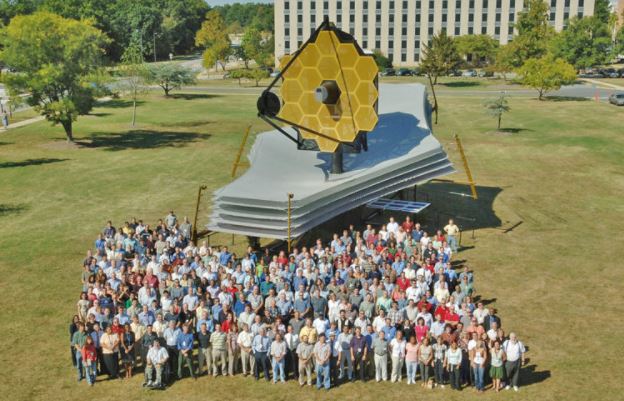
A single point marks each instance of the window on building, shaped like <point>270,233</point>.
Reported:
<point>567,3</point>
<point>498,17</point>
<point>377,44</point>
<point>404,5</point>
<point>471,17</point>
<point>470,30</point>
<point>364,44</point>
<point>512,17</point>
<point>377,31</point>
<point>510,30</point>
<point>299,18</point>
<point>391,31</point>
<point>286,4</point>
<point>392,5</point>
<point>313,6</point>
<point>365,5</point>
<point>581,3</point>
<point>417,17</point>
<point>458,4</point>
<point>326,5</point>
<point>456,31</point>
<point>497,30</point>
<point>391,57</point>
<point>553,3</point>
<point>338,18</point>
<point>498,3</point>
<point>351,18</point>
<point>430,30</point>
<point>431,4</point>
<point>417,44</point>
<point>485,4</point>
<point>391,44</point>
<point>417,57</point>
<point>287,18</point>
<point>404,18</point>
<point>483,30</point>
<point>299,31</point>
<point>365,17</point>
<point>512,3</point>
<point>418,5</point>
<point>339,5</point>
<point>552,16</point>
<point>391,17</point>
<point>364,31</point>
<point>471,4</point>
<point>286,31</point>
<point>403,57</point>
<point>443,17</point>
<point>286,45</point>
<point>457,17</point>
<point>430,17</point>
<point>579,15</point>
<point>566,16</point>
<point>378,18</point>
<point>352,5</point>
<point>378,5</point>
<point>484,17</point>
<point>404,31</point>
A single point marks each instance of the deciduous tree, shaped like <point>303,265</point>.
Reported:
<point>54,58</point>
<point>170,76</point>
<point>546,74</point>
<point>213,37</point>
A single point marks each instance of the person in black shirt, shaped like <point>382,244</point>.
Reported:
<point>205,352</point>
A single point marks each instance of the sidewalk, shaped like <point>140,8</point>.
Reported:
<point>600,83</point>
<point>25,122</point>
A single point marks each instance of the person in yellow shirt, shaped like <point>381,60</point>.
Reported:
<point>309,331</point>
<point>452,233</point>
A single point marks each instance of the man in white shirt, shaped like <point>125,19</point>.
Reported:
<point>244,339</point>
<point>157,356</point>
<point>190,299</point>
<point>321,324</point>
<point>292,361</point>
<point>514,352</point>
<point>392,226</point>
<point>480,313</point>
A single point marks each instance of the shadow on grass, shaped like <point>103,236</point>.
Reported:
<point>453,200</point>
<point>7,210</point>
<point>514,130</point>
<point>119,103</point>
<point>462,84</point>
<point>554,98</point>
<point>530,375</point>
<point>5,143</point>
<point>30,162</point>
<point>191,96</point>
<point>187,124</point>
<point>100,114</point>
<point>141,139</point>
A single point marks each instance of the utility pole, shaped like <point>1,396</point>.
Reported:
<point>290,196</point>
<point>154,45</point>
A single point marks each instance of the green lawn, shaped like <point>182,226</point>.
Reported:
<point>558,173</point>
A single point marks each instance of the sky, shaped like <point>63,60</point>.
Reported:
<point>221,2</point>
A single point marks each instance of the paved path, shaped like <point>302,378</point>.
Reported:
<point>610,85</point>
<point>26,122</point>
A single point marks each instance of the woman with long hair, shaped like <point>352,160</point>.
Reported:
<point>496,365</point>
<point>89,360</point>
<point>127,349</point>
<point>411,359</point>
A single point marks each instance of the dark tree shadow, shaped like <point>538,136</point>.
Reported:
<point>514,130</point>
<point>6,209</point>
<point>555,98</point>
<point>461,84</point>
<point>485,302</point>
<point>529,375</point>
<point>5,143</point>
<point>192,96</point>
<point>187,124</point>
<point>30,162</point>
<point>100,114</point>
<point>142,139</point>
<point>120,103</point>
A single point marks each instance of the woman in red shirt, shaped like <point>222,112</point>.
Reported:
<point>421,329</point>
<point>89,359</point>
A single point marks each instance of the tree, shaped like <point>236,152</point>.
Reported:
<point>546,74</point>
<point>585,43</point>
<point>170,76</point>
<point>479,50</point>
<point>382,61</point>
<point>505,59</point>
<point>213,37</point>
<point>496,108</point>
<point>134,73</point>
<point>54,57</point>
<point>441,57</point>
<point>602,10</point>
<point>251,45</point>
<point>534,32</point>
<point>257,74</point>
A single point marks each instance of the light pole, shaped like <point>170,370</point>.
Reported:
<point>199,191</point>
<point>155,35</point>
<point>290,197</point>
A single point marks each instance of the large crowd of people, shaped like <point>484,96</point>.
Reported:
<point>377,304</point>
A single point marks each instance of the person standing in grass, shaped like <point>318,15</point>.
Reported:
<point>452,363</point>
<point>452,232</point>
<point>89,360</point>
<point>514,359</point>
<point>397,353</point>
<point>496,366</point>
<point>110,349</point>
<point>127,349</point>
<point>322,353</point>
<point>411,359</point>
<point>479,357</point>
<point>305,352</point>
<point>425,357</point>
<point>278,355</point>
<point>78,341</point>
<point>185,351</point>
<point>439,351</point>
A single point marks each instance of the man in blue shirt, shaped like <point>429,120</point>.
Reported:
<point>260,346</point>
<point>389,330</point>
<point>184,345</point>
<point>225,257</point>
<point>146,316</point>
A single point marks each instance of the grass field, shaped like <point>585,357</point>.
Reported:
<point>557,170</point>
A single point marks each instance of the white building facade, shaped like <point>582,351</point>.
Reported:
<point>400,28</point>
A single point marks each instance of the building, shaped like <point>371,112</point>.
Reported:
<point>400,28</point>
<point>618,8</point>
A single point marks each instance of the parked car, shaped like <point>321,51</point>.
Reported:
<point>388,72</point>
<point>404,72</point>
<point>486,74</point>
<point>455,73</point>
<point>469,74</point>
<point>617,99</point>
